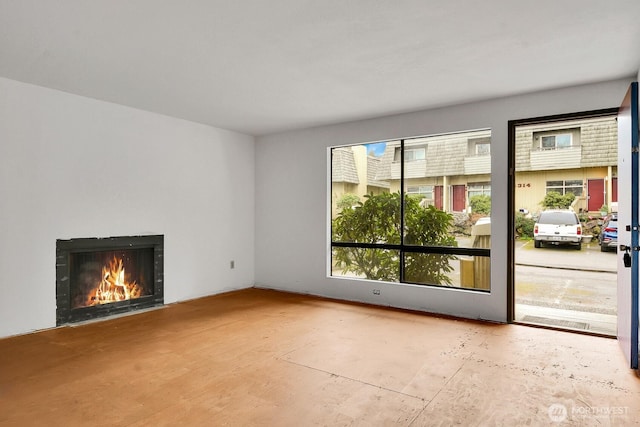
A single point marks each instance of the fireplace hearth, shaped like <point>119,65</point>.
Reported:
<point>99,277</point>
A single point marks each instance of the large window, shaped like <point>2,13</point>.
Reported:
<point>389,228</point>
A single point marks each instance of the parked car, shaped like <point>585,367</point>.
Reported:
<point>609,234</point>
<point>558,227</point>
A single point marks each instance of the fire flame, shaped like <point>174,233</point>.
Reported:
<point>113,286</point>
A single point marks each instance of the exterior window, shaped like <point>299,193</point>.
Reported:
<point>479,146</point>
<point>555,142</point>
<point>479,189</point>
<point>391,220</point>
<point>483,148</point>
<point>566,186</point>
<point>410,154</point>
<point>424,192</point>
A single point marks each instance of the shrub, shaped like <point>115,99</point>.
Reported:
<point>553,199</point>
<point>524,226</point>
<point>480,204</point>
<point>348,200</point>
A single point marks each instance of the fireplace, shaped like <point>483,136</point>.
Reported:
<point>98,277</point>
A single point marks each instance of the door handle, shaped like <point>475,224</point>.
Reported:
<point>626,258</point>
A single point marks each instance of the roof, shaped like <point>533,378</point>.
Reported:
<point>343,166</point>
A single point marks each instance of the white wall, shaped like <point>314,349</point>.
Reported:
<point>291,197</point>
<point>76,167</point>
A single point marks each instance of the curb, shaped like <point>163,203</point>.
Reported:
<point>565,267</point>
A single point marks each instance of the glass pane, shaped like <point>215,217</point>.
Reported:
<point>548,142</point>
<point>374,220</point>
<point>103,277</point>
<point>471,272</point>
<point>577,191</point>
<point>372,264</point>
<point>367,192</point>
<point>363,210</point>
<point>422,192</point>
<point>563,141</point>
<point>427,225</point>
<point>460,189</point>
<point>555,183</point>
<point>483,148</point>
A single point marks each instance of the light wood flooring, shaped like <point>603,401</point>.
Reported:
<point>266,358</point>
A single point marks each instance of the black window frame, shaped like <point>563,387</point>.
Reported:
<point>403,248</point>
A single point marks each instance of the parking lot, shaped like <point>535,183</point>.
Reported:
<point>589,258</point>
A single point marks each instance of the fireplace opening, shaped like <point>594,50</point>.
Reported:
<point>102,277</point>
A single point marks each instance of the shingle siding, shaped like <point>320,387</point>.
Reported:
<point>373,164</point>
<point>597,140</point>
<point>344,166</point>
<point>445,156</point>
<point>600,144</point>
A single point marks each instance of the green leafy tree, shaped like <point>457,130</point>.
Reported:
<point>480,204</point>
<point>377,220</point>
<point>553,199</point>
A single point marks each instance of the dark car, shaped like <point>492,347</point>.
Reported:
<point>609,234</point>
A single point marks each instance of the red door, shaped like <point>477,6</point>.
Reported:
<point>458,198</point>
<point>614,189</point>
<point>437,190</point>
<point>595,191</point>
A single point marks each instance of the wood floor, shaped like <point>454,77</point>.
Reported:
<point>258,357</point>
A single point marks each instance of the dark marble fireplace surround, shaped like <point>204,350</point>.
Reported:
<point>78,262</point>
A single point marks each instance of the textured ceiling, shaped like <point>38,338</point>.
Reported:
<point>261,67</point>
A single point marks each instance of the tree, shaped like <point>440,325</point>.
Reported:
<point>377,220</point>
<point>555,200</point>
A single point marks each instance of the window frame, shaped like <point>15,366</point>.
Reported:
<point>404,248</point>
<point>564,188</point>
<point>484,152</point>
<point>555,137</point>
<point>481,188</point>
<point>413,151</point>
